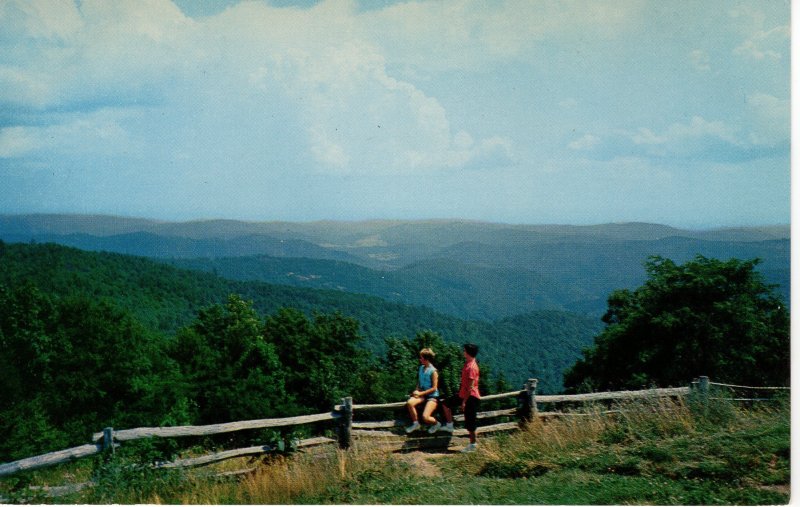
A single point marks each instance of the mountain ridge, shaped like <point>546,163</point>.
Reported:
<point>468,269</point>
<point>52,222</point>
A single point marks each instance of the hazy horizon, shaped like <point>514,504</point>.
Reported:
<point>667,112</point>
<point>399,220</point>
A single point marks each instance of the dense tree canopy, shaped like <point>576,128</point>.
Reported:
<point>320,356</point>
<point>705,317</point>
<point>229,371</point>
<point>73,366</point>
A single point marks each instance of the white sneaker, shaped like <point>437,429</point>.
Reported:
<point>413,427</point>
<point>448,427</point>
<point>470,448</point>
<point>436,427</point>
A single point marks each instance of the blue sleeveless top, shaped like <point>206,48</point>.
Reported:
<point>426,380</point>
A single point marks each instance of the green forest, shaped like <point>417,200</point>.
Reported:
<point>91,339</point>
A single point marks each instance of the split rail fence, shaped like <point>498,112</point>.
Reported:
<point>389,433</point>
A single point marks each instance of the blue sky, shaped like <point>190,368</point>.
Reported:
<point>675,112</point>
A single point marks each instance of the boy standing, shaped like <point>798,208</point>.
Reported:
<point>469,398</point>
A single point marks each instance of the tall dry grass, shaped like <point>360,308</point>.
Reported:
<point>543,442</point>
<point>298,478</point>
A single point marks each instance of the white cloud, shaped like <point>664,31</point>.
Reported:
<point>39,19</point>
<point>766,126</point>
<point>357,116</point>
<point>322,62</point>
<point>326,151</point>
<point>25,87</point>
<point>761,43</point>
<point>488,153</point>
<point>699,139</point>
<point>586,142</point>
<point>700,60</point>
<point>682,136</point>
<point>98,132</point>
<point>471,34</point>
<point>16,141</point>
<point>769,118</point>
<point>569,103</point>
<point>98,52</point>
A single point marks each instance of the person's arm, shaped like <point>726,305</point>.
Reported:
<point>434,382</point>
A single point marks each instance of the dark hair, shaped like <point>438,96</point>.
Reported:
<point>471,349</point>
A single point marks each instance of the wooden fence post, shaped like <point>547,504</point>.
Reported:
<point>108,439</point>
<point>703,383</point>
<point>346,424</point>
<point>699,391</point>
<point>530,399</point>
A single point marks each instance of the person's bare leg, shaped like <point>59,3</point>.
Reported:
<point>427,418</point>
<point>412,412</point>
<point>411,404</point>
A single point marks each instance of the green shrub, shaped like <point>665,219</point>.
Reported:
<point>122,481</point>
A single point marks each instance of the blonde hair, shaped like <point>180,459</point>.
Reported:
<point>427,353</point>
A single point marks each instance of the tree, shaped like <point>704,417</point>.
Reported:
<point>322,359</point>
<point>71,366</point>
<point>26,317</point>
<point>230,371</point>
<point>705,317</point>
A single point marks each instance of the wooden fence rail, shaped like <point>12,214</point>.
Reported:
<point>391,431</point>
<point>50,459</point>
<point>613,395</point>
<point>216,429</point>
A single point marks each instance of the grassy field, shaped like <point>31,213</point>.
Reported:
<point>663,453</point>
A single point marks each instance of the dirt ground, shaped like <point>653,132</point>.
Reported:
<point>426,463</point>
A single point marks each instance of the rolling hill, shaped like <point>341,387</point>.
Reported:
<point>471,270</point>
<point>164,298</point>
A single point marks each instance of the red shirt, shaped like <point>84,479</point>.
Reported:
<point>470,374</point>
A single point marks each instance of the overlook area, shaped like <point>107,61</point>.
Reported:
<point>160,344</point>
<point>666,453</point>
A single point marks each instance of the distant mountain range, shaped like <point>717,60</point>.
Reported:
<point>164,298</point>
<point>472,270</point>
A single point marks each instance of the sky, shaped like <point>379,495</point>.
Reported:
<point>520,111</point>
